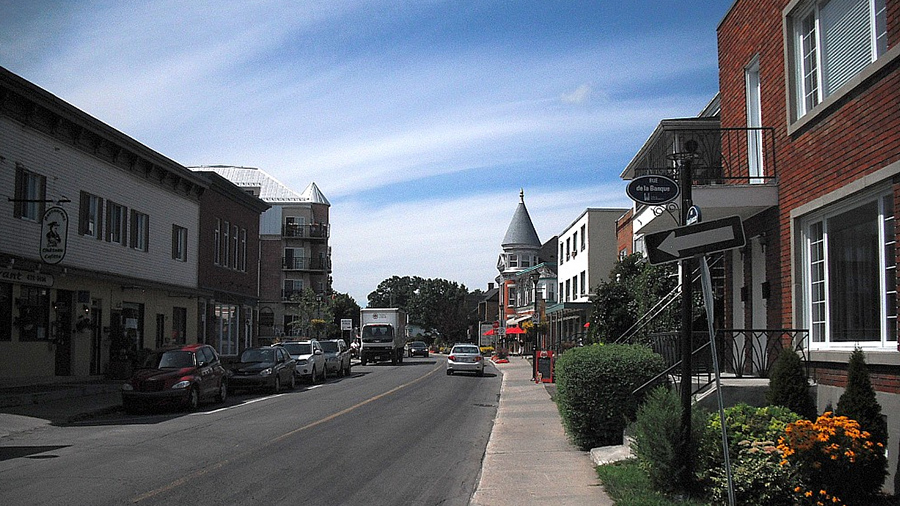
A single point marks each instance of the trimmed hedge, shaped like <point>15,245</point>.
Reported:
<point>594,390</point>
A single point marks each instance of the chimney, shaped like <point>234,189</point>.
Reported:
<point>490,286</point>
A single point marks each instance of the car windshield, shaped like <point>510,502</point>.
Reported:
<point>298,348</point>
<point>417,344</point>
<point>329,346</point>
<point>466,349</point>
<point>258,356</point>
<point>377,331</point>
<point>175,360</point>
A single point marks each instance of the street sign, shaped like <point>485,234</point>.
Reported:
<point>693,215</point>
<point>652,190</point>
<point>695,240</point>
<point>346,324</point>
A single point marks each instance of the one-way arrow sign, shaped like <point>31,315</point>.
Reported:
<point>695,240</point>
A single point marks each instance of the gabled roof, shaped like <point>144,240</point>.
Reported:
<point>521,230</point>
<point>270,189</point>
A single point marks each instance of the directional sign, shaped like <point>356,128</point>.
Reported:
<point>693,215</point>
<point>695,240</point>
<point>652,190</point>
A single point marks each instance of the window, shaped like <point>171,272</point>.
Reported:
<point>561,251</point>
<point>832,41</point>
<point>90,211</point>
<point>179,325</point>
<point>575,241</point>
<point>31,191</point>
<point>568,290</point>
<point>217,241</point>
<point>754,122</point>
<point>6,311</point>
<point>850,274</point>
<point>226,325</point>
<point>115,222</point>
<point>179,243</point>
<point>243,262</point>
<point>33,320</point>
<point>226,245</point>
<point>235,247</point>
<point>513,260</point>
<point>583,241</point>
<point>140,230</point>
<point>292,287</point>
<point>583,283</point>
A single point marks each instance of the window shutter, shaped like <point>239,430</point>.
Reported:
<point>84,211</point>
<point>134,229</point>
<point>846,41</point>
<point>147,233</point>
<point>123,237</point>
<point>174,241</point>
<point>18,205</point>
<point>109,223</point>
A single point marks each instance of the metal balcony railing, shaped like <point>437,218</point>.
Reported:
<point>313,231</point>
<point>306,263</point>
<point>717,155</point>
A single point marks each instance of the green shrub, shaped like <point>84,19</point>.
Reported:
<point>758,476</point>
<point>594,390</point>
<point>789,387</point>
<point>858,403</point>
<point>656,435</point>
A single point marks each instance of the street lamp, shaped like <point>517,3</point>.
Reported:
<point>536,316</point>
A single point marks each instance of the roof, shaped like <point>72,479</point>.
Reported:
<point>521,230</point>
<point>270,189</point>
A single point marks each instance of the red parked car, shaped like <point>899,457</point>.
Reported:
<point>182,376</point>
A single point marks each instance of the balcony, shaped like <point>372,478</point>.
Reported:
<point>733,170</point>
<point>308,264</point>
<point>316,231</point>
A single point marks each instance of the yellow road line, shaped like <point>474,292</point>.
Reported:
<point>218,465</point>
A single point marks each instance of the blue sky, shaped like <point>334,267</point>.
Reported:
<point>420,121</point>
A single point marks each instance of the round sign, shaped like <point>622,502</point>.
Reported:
<point>652,190</point>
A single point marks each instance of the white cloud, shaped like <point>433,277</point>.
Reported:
<point>579,96</point>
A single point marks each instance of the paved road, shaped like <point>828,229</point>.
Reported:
<point>404,434</point>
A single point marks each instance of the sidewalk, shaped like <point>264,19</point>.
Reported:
<point>528,459</point>
<point>26,407</point>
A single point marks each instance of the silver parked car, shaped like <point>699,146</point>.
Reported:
<point>465,357</point>
<point>337,356</point>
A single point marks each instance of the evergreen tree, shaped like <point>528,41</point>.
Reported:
<point>858,403</point>
<point>789,387</point>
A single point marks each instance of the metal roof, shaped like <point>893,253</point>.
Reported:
<point>521,230</point>
<point>270,189</point>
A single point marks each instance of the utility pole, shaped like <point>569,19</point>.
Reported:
<point>687,299</point>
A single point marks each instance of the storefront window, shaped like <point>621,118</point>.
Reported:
<point>33,317</point>
<point>227,329</point>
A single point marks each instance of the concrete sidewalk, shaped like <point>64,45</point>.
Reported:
<point>529,460</point>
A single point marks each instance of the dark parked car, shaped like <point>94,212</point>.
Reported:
<point>417,348</point>
<point>263,367</point>
<point>183,376</point>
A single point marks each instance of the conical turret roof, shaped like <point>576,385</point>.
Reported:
<point>314,195</point>
<point>521,231</point>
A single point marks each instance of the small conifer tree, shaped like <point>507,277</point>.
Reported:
<point>789,387</point>
<point>858,402</point>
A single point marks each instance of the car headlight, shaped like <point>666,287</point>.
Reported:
<point>182,384</point>
<point>127,387</point>
<point>265,372</point>
<point>302,361</point>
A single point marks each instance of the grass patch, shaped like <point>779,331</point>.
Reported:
<point>628,485</point>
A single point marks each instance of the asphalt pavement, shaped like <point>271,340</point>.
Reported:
<point>528,459</point>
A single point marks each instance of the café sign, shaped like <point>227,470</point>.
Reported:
<point>54,233</point>
<point>26,277</point>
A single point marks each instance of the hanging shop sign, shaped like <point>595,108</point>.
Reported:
<point>54,233</point>
<point>652,190</point>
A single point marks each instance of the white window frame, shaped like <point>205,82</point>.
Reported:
<point>815,270</point>
<point>140,230</point>
<point>116,222</point>
<point>179,243</point>
<point>809,52</point>
<point>754,122</point>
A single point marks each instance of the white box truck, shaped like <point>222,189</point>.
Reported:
<point>382,335</point>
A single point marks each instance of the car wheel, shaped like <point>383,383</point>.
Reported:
<point>349,365</point>
<point>449,372</point>
<point>480,373</point>
<point>277,386</point>
<point>325,373</point>
<point>130,407</point>
<point>314,377</point>
<point>222,394</point>
<point>293,381</point>
<point>193,400</point>
<point>362,360</point>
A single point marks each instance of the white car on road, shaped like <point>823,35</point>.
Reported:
<point>310,359</point>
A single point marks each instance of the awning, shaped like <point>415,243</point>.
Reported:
<point>490,332</point>
<point>515,330</point>
<point>512,322</point>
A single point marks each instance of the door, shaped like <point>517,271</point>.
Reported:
<point>96,338</point>
<point>63,332</point>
